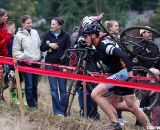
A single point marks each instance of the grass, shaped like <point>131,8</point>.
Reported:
<point>42,119</point>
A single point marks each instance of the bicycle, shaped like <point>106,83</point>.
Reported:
<point>83,54</point>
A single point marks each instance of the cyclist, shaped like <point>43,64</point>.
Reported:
<point>110,54</point>
<point>113,27</point>
<point>149,50</point>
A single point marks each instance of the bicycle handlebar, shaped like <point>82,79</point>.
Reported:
<point>83,51</point>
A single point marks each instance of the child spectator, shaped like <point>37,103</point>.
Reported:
<point>10,76</point>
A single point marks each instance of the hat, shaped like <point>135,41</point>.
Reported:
<point>144,30</point>
<point>155,71</point>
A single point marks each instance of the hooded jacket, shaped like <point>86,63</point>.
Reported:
<point>26,45</point>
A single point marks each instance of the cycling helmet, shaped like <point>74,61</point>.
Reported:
<point>88,20</point>
<point>90,29</point>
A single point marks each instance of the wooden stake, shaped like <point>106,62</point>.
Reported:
<point>18,86</point>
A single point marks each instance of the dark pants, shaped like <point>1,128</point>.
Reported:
<point>92,108</point>
<point>31,83</point>
<point>145,100</point>
<point>58,98</point>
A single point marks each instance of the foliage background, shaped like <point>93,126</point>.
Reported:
<point>72,11</point>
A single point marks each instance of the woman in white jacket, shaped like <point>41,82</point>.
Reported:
<point>27,46</point>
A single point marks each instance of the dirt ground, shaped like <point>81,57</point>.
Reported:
<point>42,119</point>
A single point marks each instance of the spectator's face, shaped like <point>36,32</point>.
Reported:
<point>55,27</point>
<point>147,35</point>
<point>27,24</point>
<point>11,29</point>
<point>4,18</point>
<point>114,28</point>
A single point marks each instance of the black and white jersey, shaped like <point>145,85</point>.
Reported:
<point>111,55</point>
<point>110,45</point>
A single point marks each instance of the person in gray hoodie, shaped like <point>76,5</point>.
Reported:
<point>26,46</point>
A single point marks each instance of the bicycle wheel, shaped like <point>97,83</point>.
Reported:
<point>137,46</point>
<point>70,96</point>
<point>144,76</point>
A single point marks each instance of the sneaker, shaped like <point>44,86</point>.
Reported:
<point>122,121</point>
<point>146,110</point>
<point>60,115</point>
<point>113,126</point>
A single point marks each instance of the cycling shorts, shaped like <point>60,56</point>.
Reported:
<point>121,75</point>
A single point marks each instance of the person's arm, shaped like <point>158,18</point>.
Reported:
<point>45,44</point>
<point>67,41</point>
<point>18,50</point>
<point>39,40</point>
<point>67,44</point>
<point>5,39</point>
<point>125,57</point>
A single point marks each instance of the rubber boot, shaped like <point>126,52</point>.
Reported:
<point>23,96</point>
<point>14,96</point>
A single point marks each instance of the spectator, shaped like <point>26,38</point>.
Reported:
<point>74,36</point>
<point>92,108</point>
<point>151,52</point>
<point>26,46</point>
<point>113,27</point>
<point>4,38</point>
<point>55,42</point>
<point>145,50</point>
<point>11,79</point>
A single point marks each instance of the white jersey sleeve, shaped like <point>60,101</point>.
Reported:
<point>110,46</point>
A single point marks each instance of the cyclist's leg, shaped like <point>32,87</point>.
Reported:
<point>106,105</point>
<point>102,101</point>
<point>133,107</point>
<point>131,104</point>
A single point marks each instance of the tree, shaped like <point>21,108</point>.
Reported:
<point>154,21</point>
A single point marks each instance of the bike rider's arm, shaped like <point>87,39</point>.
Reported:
<point>124,56</point>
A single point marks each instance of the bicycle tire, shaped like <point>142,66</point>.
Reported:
<point>142,72</point>
<point>130,38</point>
<point>70,96</point>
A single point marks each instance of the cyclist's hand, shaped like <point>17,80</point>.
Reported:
<point>64,70</point>
<point>135,60</point>
<point>151,93</point>
<point>130,74</point>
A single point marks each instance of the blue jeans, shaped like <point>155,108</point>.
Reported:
<point>31,83</point>
<point>58,99</point>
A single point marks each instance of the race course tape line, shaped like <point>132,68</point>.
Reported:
<point>42,71</point>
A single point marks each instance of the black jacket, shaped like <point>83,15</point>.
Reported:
<point>147,49</point>
<point>63,41</point>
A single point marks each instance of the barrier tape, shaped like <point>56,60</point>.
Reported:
<point>9,61</point>
<point>86,78</point>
